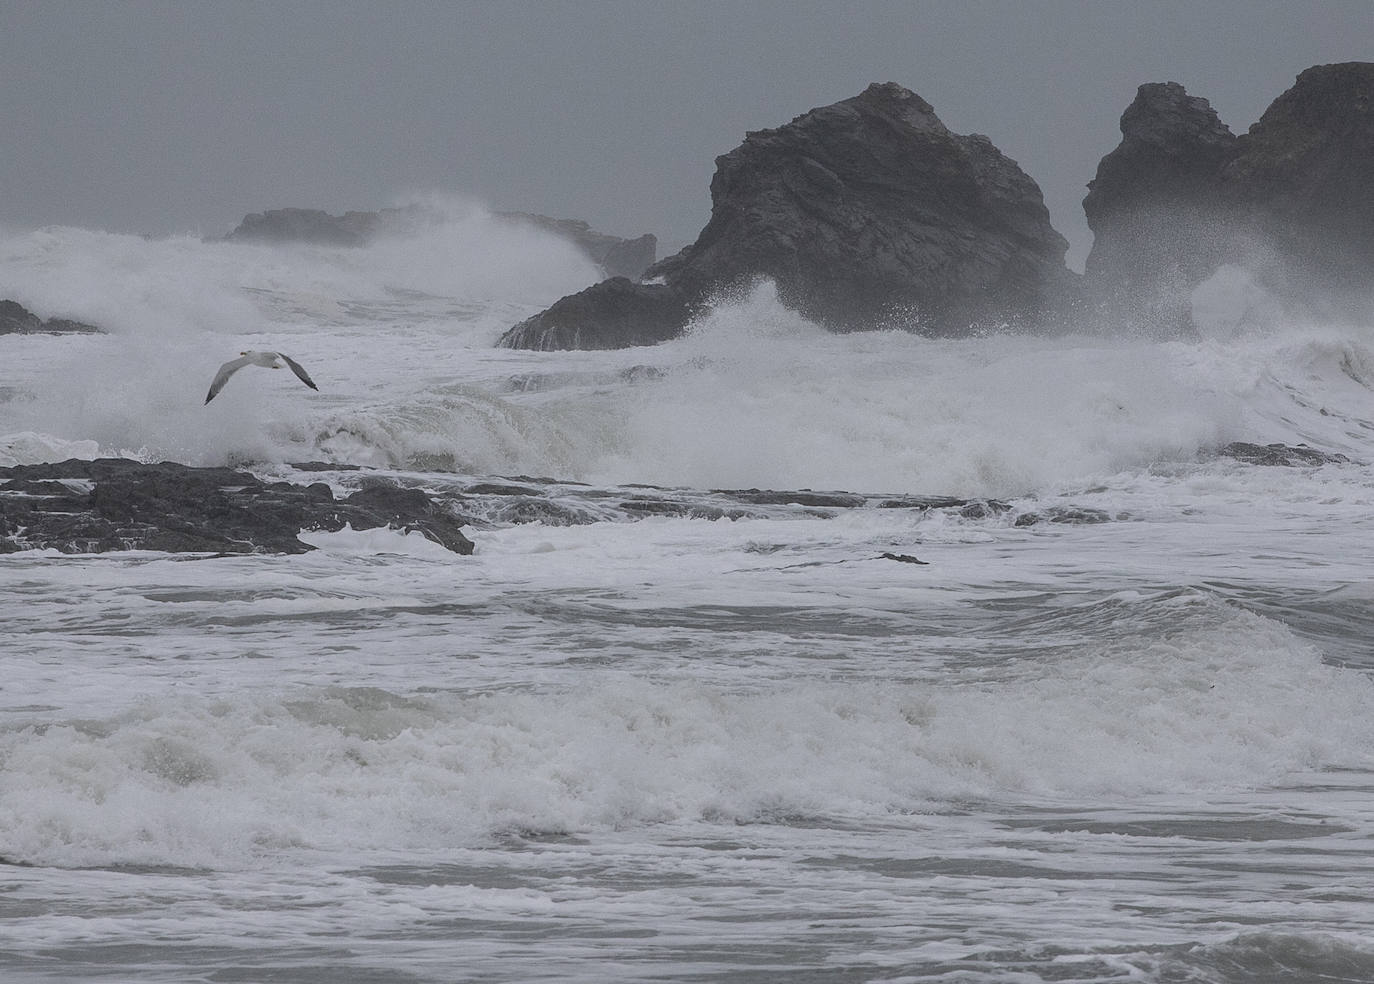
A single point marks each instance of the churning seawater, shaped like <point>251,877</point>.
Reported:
<point>1119,725</point>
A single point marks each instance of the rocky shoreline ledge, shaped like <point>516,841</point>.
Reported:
<point>80,506</point>
<point>15,319</point>
<point>109,504</point>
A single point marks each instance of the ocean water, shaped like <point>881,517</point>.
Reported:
<point>1117,726</point>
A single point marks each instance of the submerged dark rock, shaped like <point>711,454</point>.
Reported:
<point>1291,201</point>
<point>865,213</point>
<point>799,497</point>
<point>1067,515</point>
<point>903,559</point>
<point>15,319</point>
<point>1281,454</point>
<point>80,506</point>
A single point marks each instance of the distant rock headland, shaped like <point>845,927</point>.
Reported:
<point>616,256</point>
<point>871,213</point>
<point>866,212</point>
<point>312,225</point>
<point>15,319</point>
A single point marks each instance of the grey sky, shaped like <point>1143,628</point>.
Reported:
<point>182,116</point>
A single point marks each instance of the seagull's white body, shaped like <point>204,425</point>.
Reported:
<point>268,360</point>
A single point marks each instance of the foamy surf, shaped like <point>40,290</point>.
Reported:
<point>1026,677</point>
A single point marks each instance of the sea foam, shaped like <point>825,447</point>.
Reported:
<point>1227,700</point>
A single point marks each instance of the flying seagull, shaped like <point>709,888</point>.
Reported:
<point>268,360</point>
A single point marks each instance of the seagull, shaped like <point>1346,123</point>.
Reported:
<point>268,360</point>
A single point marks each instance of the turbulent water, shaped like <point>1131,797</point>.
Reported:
<point>1119,725</point>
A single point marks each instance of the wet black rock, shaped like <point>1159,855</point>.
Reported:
<point>15,319</point>
<point>984,509</point>
<point>800,497</point>
<point>80,506</point>
<point>866,213</point>
<point>903,559</point>
<point>517,510</point>
<point>1067,515</point>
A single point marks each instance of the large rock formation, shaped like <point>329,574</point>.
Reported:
<point>1292,200</point>
<point>82,506</point>
<point>616,256</point>
<point>865,213</point>
<point>15,319</point>
<point>1158,222</point>
<point>1303,177</point>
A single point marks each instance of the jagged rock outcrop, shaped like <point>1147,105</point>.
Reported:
<point>15,319</point>
<point>616,256</point>
<point>864,213</point>
<point>80,506</point>
<point>1157,219</point>
<point>615,313</point>
<point>1292,200</point>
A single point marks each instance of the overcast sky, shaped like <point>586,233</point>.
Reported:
<point>160,117</point>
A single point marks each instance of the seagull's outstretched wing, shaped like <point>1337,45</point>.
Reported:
<point>301,374</point>
<point>225,371</point>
